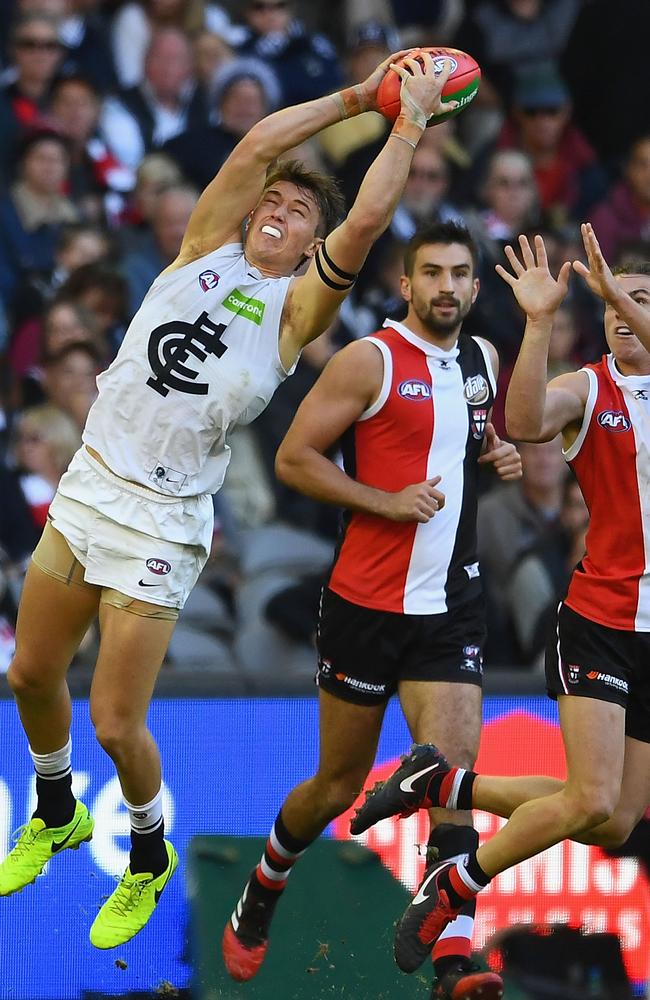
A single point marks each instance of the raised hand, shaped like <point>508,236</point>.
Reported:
<point>368,89</point>
<point>422,86</point>
<point>501,454</point>
<point>536,290</point>
<point>598,275</point>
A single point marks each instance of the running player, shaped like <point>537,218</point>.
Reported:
<point>131,524</point>
<point>597,663</point>
<point>402,611</point>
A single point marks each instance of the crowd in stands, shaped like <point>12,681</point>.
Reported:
<point>113,117</point>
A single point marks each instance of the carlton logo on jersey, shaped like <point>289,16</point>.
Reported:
<point>172,344</point>
<point>414,388</point>
<point>208,280</point>
<point>476,390</point>
<point>613,420</point>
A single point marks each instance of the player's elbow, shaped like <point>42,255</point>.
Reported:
<point>287,466</point>
<point>520,429</point>
<point>363,228</point>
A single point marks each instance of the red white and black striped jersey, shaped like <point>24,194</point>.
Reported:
<point>611,460</point>
<point>429,419</point>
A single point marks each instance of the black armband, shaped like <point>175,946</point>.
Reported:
<point>336,285</point>
<point>345,275</point>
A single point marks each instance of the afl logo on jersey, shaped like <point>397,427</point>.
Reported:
<point>159,566</point>
<point>476,390</point>
<point>208,280</point>
<point>613,420</point>
<point>414,388</point>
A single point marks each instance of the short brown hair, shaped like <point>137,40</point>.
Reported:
<point>633,267</point>
<point>445,233</point>
<point>324,190</point>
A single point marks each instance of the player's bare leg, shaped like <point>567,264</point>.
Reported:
<point>53,618</point>
<point>348,742</point>
<point>132,648</point>
<point>449,715</point>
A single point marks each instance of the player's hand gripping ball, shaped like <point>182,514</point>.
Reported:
<point>462,85</point>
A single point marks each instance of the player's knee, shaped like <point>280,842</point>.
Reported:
<point>593,805</point>
<point>114,735</point>
<point>26,680</point>
<point>617,830</point>
<point>339,793</point>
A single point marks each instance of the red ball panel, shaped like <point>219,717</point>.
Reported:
<point>461,86</point>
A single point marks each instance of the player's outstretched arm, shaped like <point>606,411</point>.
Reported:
<point>315,297</point>
<point>535,411</point>
<point>348,385</point>
<point>236,189</point>
<point>602,282</point>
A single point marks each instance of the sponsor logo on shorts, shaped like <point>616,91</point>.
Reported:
<point>613,420</point>
<point>325,667</point>
<point>208,280</point>
<point>252,309</point>
<point>573,673</point>
<point>414,388</point>
<point>473,661</point>
<point>476,390</point>
<point>608,679</point>
<point>479,417</point>
<point>159,566</point>
<point>361,685</point>
<point>472,570</point>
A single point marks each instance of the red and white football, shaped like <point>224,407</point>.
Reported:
<point>462,85</point>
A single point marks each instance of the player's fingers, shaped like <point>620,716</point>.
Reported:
<point>445,70</point>
<point>440,499</point>
<point>526,252</point>
<point>515,263</point>
<point>434,481</point>
<point>581,269</point>
<point>507,277</point>
<point>540,250</point>
<point>563,276</point>
<point>414,65</point>
<point>402,73</point>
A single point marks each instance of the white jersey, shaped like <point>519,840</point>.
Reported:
<point>201,355</point>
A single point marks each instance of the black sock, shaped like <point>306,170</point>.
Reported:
<point>148,852</point>
<point>449,841</point>
<point>55,802</point>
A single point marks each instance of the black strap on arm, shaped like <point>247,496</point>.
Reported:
<point>325,278</point>
<point>344,275</point>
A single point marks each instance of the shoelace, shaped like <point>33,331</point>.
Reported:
<point>127,896</point>
<point>24,838</point>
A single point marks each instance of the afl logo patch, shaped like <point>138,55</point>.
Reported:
<point>159,566</point>
<point>414,388</point>
<point>613,420</point>
<point>476,389</point>
<point>208,280</point>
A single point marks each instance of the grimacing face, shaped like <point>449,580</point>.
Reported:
<point>442,287</point>
<point>282,228</point>
<point>631,356</point>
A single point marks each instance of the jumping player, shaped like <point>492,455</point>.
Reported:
<point>597,662</point>
<point>402,611</point>
<point>131,524</point>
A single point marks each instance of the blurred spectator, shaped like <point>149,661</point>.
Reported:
<point>380,299</point>
<point>64,322</point>
<point>516,517</point>
<point>75,109</point>
<point>425,195</point>
<point>426,22</point>
<point>602,29</point>
<point>624,216</point>
<point>156,172</point>
<point>85,33</point>
<point>46,440</point>
<point>369,43</point>
<point>163,105</point>
<point>511,202</point>
<point>244,91</point>
<point>36,52</point>
<point>306,64</point>
<point>541,575</point>
<point>504,35</point>
<point>103,291</point>
<point>70,379</point>
<point>34,211</point>
<point>170,218</point>
<point>135,23</point>
<point>210,53</point>
<point>569,178</point>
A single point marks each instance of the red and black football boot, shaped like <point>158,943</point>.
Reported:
<point>414,785</point>
<point>424,920</point>
<point>246,935</point>
<point>467,981</point>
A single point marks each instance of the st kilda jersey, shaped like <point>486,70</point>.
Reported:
<point>428,420</point>
<point>611,460</point>
<point>200,355</point>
